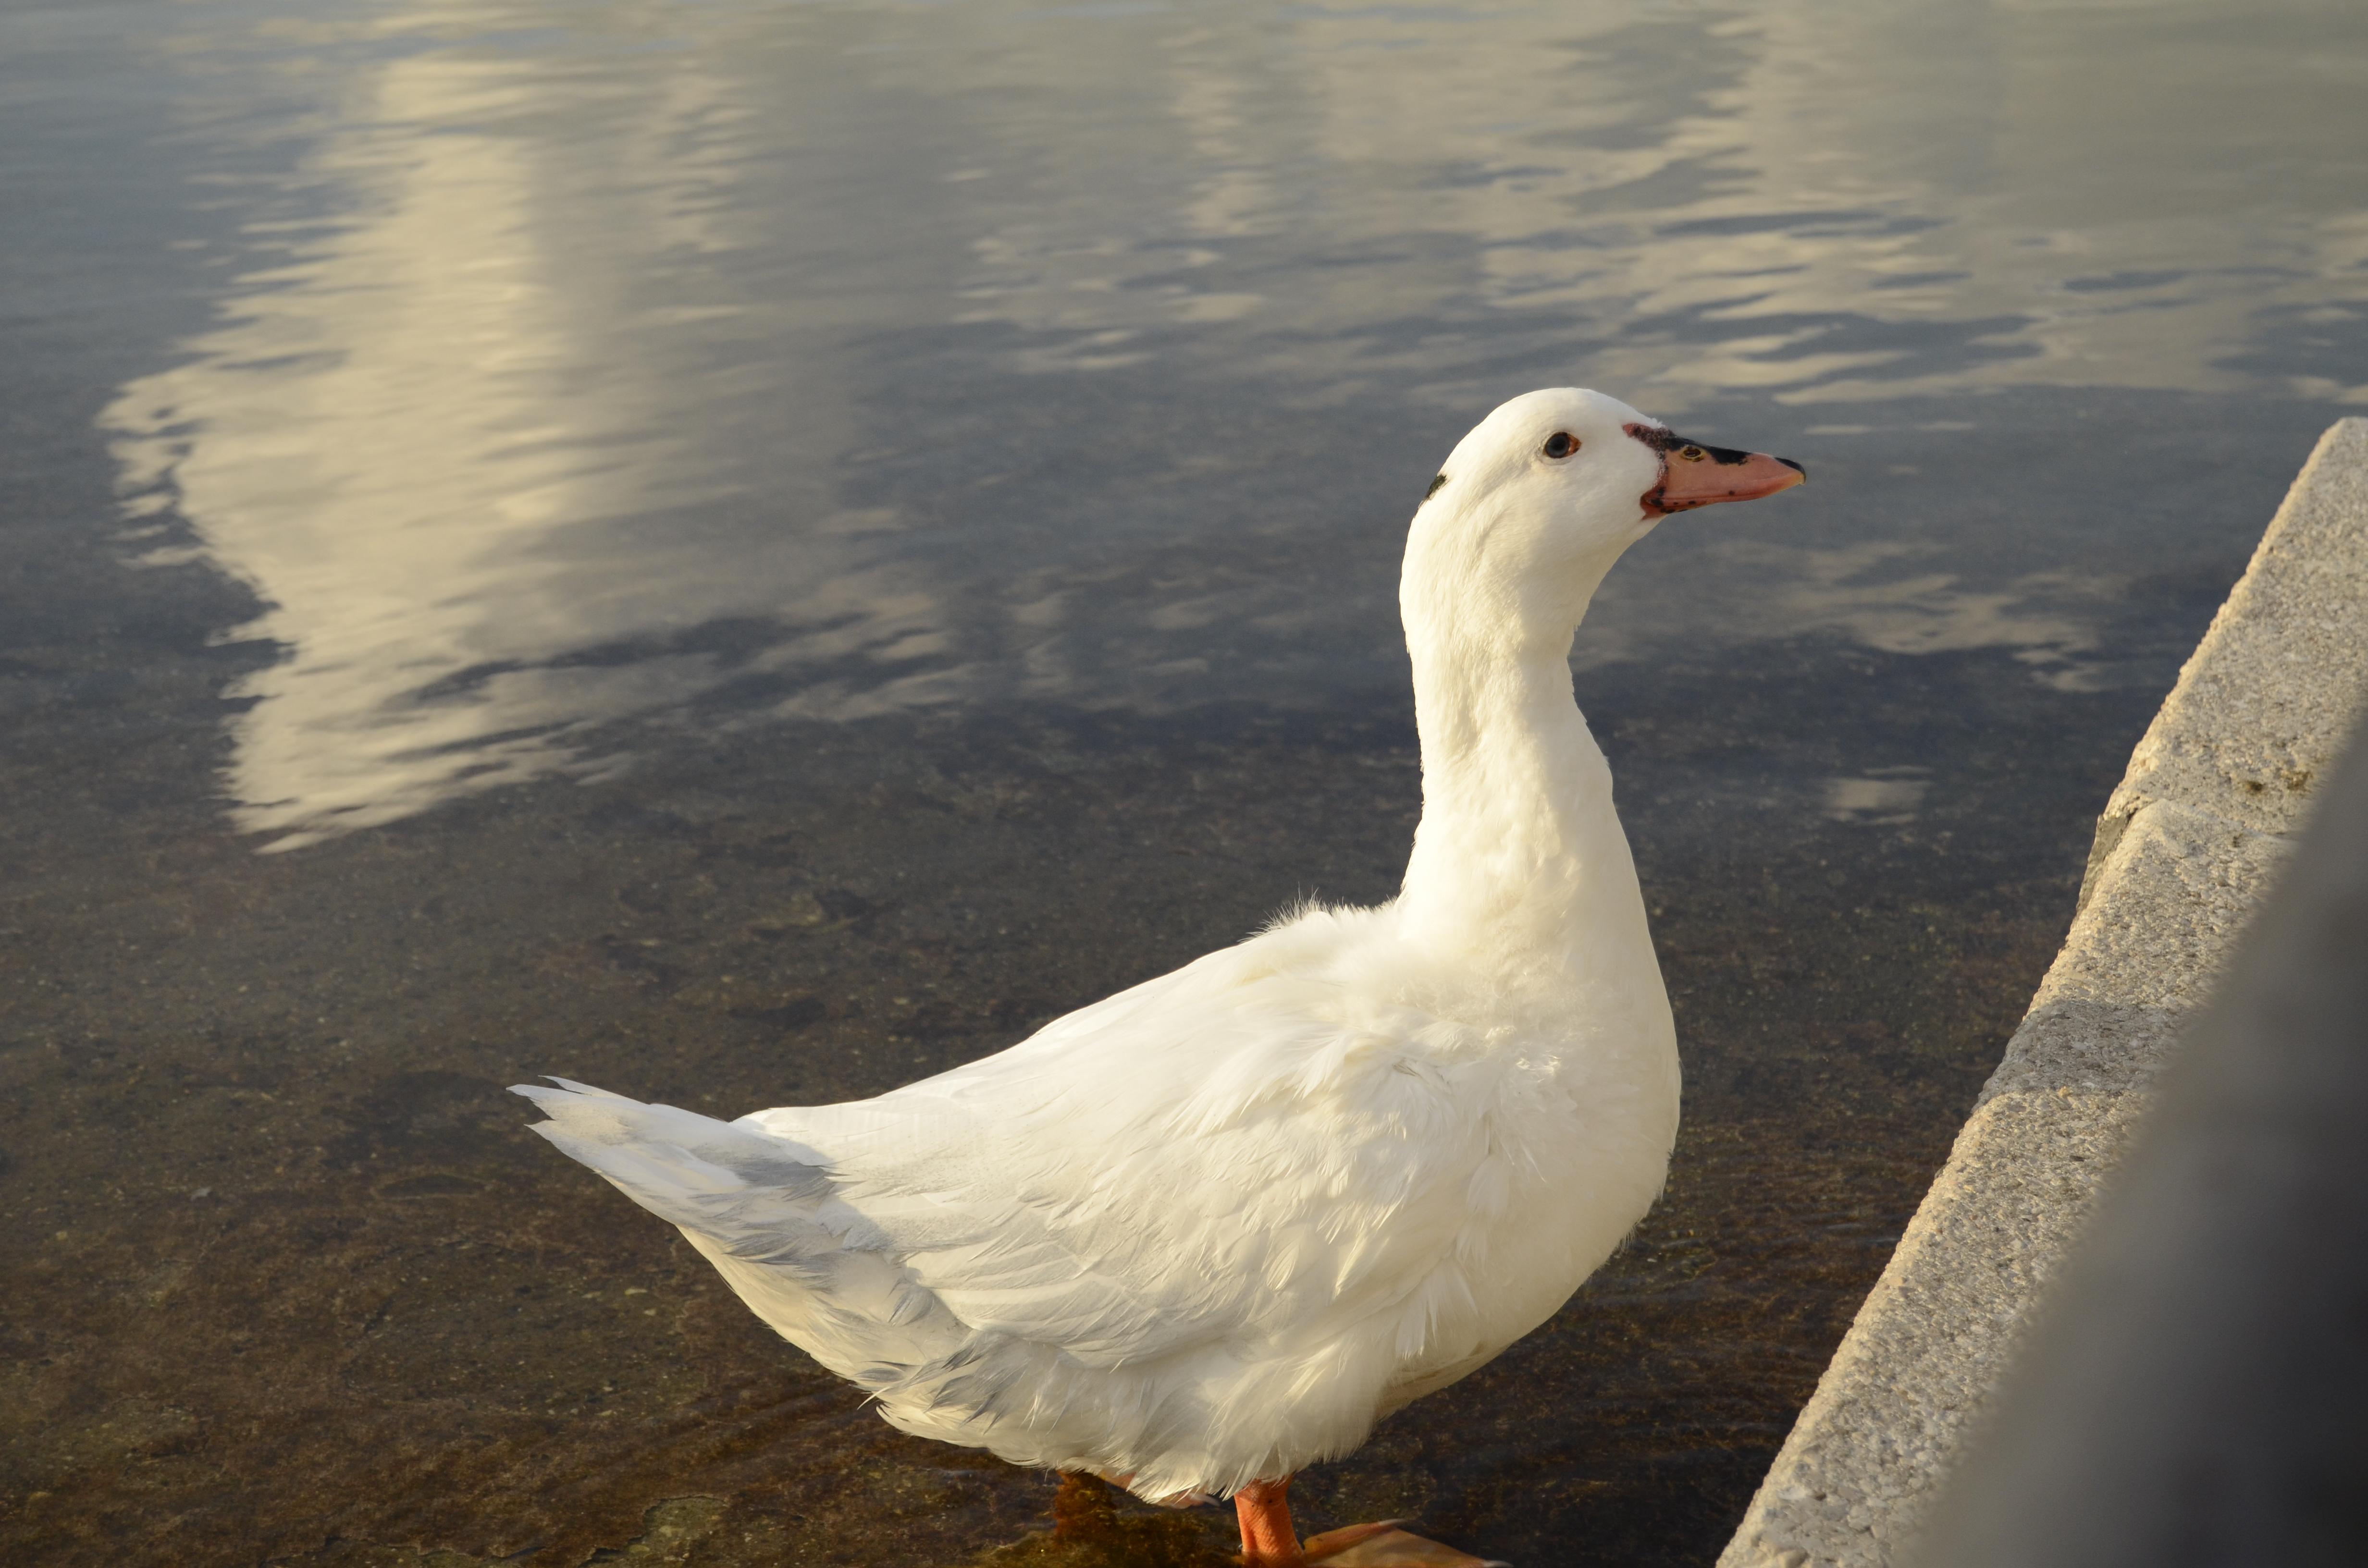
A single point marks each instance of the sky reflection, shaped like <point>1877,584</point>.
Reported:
<point>582,370</point>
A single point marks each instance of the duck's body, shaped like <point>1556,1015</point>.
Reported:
<point>1210,1229</point>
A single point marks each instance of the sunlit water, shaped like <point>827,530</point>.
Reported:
<point>747,552</point>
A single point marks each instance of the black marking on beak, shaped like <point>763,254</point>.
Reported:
<point>1668,443</point>
<point>1671,444</point>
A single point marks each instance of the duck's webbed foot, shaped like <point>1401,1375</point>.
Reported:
<point>1268,1542</point>
<point>1384,1545</point>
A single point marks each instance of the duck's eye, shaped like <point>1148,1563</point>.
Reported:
<point>1692,454</point>
<point>1561,444</point>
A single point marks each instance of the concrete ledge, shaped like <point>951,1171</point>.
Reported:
<point>2186,849</point>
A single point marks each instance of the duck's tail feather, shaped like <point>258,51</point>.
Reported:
<point>762,1211</point>
<point>749,1193</point>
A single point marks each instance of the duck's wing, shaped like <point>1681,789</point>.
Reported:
<point>1234,1152</point>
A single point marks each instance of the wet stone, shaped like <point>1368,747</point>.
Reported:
<point>1095,1525</point>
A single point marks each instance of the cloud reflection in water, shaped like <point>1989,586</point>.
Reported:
<point>561,411</point>
<point>425,443</point>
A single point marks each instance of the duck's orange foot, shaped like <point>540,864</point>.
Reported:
<point>1384,1545</point>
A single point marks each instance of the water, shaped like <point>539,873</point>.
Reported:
<point>746,552</point>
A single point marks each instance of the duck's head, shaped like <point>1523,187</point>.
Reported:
<point>1544,494</point>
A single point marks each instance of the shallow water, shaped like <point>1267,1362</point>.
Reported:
<point>749,552</point>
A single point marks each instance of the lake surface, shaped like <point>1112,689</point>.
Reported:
<point>746,553</point>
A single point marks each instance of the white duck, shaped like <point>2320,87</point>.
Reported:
<point>1212,1229</point>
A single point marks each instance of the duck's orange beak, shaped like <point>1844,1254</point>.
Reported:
<point>1695,475</point>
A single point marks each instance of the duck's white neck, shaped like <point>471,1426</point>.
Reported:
<point>1519,854</point>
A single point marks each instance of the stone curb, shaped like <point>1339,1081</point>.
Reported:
<point>2187,847</point>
